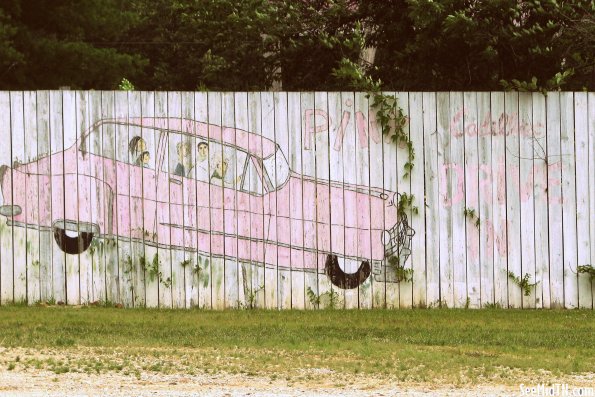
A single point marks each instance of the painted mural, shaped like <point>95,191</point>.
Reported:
<point>286,200</point>
<point>225,193</point>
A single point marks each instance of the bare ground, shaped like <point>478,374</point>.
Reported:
<point>25,372</point>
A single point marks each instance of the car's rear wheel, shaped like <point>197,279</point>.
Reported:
<point>346,280</point>
<point>72,242</point>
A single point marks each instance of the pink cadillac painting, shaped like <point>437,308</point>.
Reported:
<point>223,192</point>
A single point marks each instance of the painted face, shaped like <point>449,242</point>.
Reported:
<point>141,146</point>
<point>183,150</point>
<point>146,158</point>
<point>222,167</point>
<point>203,151</point>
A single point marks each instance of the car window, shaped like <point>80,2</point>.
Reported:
<point>179,159</point>
<point>142,146</point>
<point>252,180</point>
<point>226,165</point>
<point>133,144</point>
<point>277,168</point>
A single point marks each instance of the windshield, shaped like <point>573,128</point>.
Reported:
<point>277,168</point>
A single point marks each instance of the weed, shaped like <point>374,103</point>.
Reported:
<point>523,283</point>
<point>317,299</point>
<point>492,305</point>
<point>401,273</point>
<point>587,269</point>
<point>472,216</point>
<point>251,297</point>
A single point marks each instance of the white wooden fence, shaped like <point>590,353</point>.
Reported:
<point>273,200</point>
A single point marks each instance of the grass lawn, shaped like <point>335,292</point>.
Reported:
<point>418,346</point>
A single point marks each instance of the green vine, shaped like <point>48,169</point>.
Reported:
<point>401,273</point>
<point>405,204</point>
<point>316,300</point>
<point>251,297</point>
<point>389,115</point>
<point>524,283</point>
<point>472,216</point>
<point>587,269</point>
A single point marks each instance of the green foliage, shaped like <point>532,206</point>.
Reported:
<point>251,297</point>
<point>405,204</point>
<point>472,216</point>
<point>331,297</point>
<point>532,45</point>
<point>125,85</point>
<point>588,270</point>
<point>401,273</point>
<point>523,283</point>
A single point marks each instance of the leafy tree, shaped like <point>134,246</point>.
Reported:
<point>52,43</point>
<point>214,44</point>
<point>475,45</point>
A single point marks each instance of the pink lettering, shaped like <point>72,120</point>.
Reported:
<point>311,126</point>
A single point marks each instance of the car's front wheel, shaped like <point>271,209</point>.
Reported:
<point>73,238</point>
<point>346,280</point>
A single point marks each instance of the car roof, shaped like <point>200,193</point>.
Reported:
<point>254,144</point>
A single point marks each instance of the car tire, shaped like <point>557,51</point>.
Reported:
<point>346,280</point>
<point>72,245</point>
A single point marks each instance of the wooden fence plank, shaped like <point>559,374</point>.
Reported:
<point>71,202</point>
<point>349,145</point>
<point>472,227</point>
<point>150,261</point>
<point>445,193</point>
<point>136,190</point>
<point>320,144</point>
<point>417,221</point>
<point>296,132</point>
<point>32,188</point>
<point>569,210</point>
<point>234,171</point>
<point>404,187</point>
<point>202,267</point>
<point>189,221</point>
<point>57,182</point>
<point>591,145</point>
<point>311,265</point>
<point>177,166</point>
<point>525,189</point>
<point>513,210</point>
<point>485,185</point>
<point>122,201</point>
<point>581,144</point>
<point>271,258</point>
<point>46,238</point>
<point>6,245</point>
<point>497,229</point>
<point>83,170</point>
<point>377,204</point>
<point>19,237</point>
<point>457,207</point>
<point>554,192</point>
<point>164,276</point>
<point>283,201</point>
<point>362,159</point>
<point>432,199</point>
<point>108,151</point>
<point>336,183</point>
<point>255,192</point>
<point>540,169</point>
<point>591,109</point>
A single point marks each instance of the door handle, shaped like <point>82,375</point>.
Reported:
<point>176,181</point>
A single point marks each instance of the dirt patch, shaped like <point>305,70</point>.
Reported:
<point>109,372</point>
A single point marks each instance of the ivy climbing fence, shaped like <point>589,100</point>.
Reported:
<point>297,200</point>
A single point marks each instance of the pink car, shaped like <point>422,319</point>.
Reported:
<point>224,192</point>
